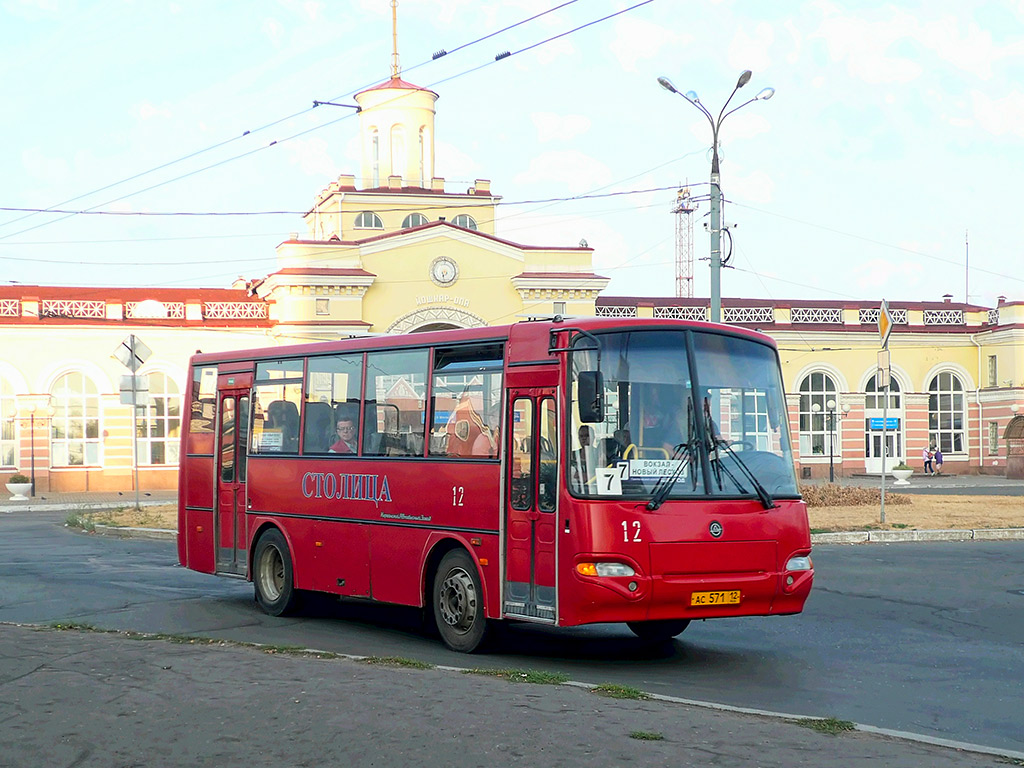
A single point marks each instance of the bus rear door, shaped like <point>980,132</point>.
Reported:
<point>530,514</point>
<point>232,439</point>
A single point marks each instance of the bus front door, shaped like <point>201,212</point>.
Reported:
<point>531,493</point>
<point>232,437</point>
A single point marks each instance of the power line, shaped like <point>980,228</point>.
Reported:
<point>318,127</point>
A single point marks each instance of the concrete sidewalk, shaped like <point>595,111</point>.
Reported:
<point>54,502</point>
<point>87,698</point>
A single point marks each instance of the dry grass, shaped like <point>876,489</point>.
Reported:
<point>830,508</point>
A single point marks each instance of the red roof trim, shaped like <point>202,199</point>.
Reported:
<point>396,83</point>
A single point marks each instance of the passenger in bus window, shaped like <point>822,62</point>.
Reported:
<point>347,436</point>
<point>583,460</point>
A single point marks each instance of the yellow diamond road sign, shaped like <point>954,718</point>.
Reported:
<point>884,323</point>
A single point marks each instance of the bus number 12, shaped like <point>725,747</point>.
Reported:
<point>636,531</point>
<point>457,493</point>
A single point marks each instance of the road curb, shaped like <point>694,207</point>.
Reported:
<point>899,536</point>
<point>124,532</point>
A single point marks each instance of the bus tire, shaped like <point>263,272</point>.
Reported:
<point>658,631</point>
<point>458,601</point>
<point>272,575</point>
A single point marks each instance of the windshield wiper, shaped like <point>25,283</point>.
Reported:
<point>683,453</point>
<point>762,493</point>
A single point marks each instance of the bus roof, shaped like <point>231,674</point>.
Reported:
<point>529,338</point>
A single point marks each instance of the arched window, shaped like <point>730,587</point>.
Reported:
<point>423,156</point>
<point>75,428</point>
<point>946,405</point>
<point>159,424</point>
<point>375,157</point>
<point>369,220</point>
<point>414,220</point>
<point>816,390</point>
<point>398,151</point>
<point>875,399</point>
<point>465,221</point>
<point>8,424</point>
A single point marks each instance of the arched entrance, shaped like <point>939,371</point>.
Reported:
<point>436,319</point>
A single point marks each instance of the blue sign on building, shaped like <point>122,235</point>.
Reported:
<point>890,423</point>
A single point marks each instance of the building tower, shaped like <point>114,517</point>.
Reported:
<point>685,206</point>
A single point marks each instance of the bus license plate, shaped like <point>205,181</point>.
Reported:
<point>728,597</point>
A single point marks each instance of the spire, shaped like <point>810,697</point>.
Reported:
<point>395,66</point>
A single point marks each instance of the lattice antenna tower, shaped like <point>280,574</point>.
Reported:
<point>684,208</point>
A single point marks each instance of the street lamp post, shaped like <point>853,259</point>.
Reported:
<point>830,406</point>
<point>716,190</point>
<point>32,445</point>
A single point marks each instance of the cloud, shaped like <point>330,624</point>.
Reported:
<point>999,116</point>
<point>311,157</point>
<point>451,162</point>
<point>757,187</point>
<point>748,51</point>
<point>579,172</point>
<point>552,127</point>
<point>53,169</point>
<point>639,40</point>
<point>877,275</point>
<point>864,45</point>
<point>147,111</point>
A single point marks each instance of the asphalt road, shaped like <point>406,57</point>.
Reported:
<point>923,638</point>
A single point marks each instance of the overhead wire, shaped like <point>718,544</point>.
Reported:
<point>332,122</point>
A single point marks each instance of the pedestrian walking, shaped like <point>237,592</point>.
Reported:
<point>938,461</point>
<point>926,454</point>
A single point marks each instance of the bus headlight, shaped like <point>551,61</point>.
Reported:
<point>605,569</point>
<point>801,563</point>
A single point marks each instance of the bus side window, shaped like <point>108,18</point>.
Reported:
<point>521,484</point>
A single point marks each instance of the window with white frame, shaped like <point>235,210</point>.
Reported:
<point>369,220</point>
<point>993,371</point>
<point>946,413</point>
<point>993,438</point>
<point>465,221</point>
<point>874,398</point>
<point>398,151</point>
<point>816,427</point>
<point>413,220</point>
<point>159,423</point>
<point>8,424</point>
<point>75,427</point>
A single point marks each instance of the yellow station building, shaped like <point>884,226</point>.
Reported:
<point>394,250</point>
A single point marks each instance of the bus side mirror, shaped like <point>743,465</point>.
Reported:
<point>590,391</point>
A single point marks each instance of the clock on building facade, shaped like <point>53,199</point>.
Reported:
<point>444,271</point>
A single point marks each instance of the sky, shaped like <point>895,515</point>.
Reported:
<point>887,165</point>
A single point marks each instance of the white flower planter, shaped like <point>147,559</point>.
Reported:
<point>19,491</point>
<point>902,476</point>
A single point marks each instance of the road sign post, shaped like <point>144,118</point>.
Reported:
<point>132,353</point>
<point>884,372</point>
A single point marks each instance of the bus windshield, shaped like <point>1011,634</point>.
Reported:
<point>710,421</point>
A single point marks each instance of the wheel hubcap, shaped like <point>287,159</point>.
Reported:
<point>271,573</point>
<point>458,600</point>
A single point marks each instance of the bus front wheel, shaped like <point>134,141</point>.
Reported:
<point>458,602</point>
<point>658,631</point>
<point>272,574</point>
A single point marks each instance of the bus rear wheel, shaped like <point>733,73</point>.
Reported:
<point>458,602</point>
<point>272,574</point>
<point>658,631</point>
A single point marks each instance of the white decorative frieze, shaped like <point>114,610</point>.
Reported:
<point>682,313</point>
<point>144,309</point>
<point>608,311</point>
<point>748,314</point>
<point>943,317</point>
<point>816,315</point>
<point>93,310</point>
<point>993,317</point>
<point>870,316</point>
<point>10,307</point>
<point>234,310</point>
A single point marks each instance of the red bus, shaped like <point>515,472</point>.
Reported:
<point>564,472</point>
